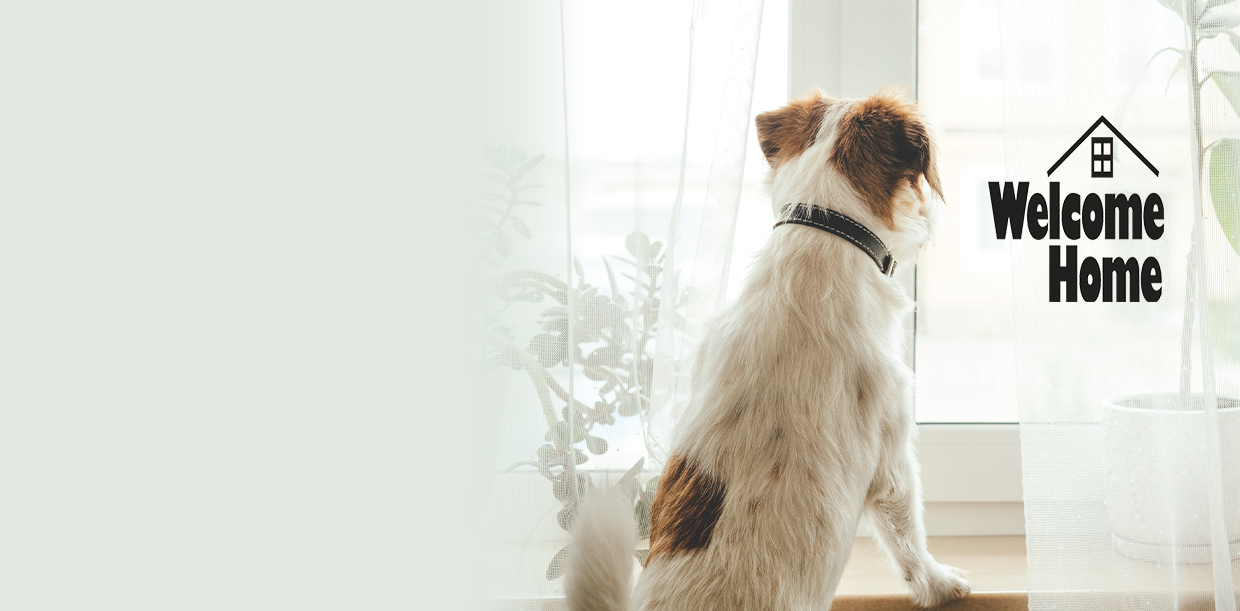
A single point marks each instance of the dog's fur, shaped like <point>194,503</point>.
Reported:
<point>801,417</point>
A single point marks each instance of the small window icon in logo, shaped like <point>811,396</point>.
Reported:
<point>1101,158</point>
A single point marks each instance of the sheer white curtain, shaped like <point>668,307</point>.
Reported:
<point>1130,438</point>
<point>616,146</point>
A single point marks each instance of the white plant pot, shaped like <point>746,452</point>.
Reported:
<point>1156,478</point>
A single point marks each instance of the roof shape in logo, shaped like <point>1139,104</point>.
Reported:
<point>1103,121</point>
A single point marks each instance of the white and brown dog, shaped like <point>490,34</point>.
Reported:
<point>802,418</point>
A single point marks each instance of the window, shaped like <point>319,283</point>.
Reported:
<point>948,56</point>
<point>965,355</point>
<point>947,52</point>
<point>1101,157</point>
<point>965,348</point>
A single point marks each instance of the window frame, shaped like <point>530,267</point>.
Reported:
<point>971,473</point>
<point>1102,157</point>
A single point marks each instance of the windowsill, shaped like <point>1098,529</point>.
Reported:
<point>995,567</point>
<point>998,573</point>
<point>992,564</point>
<point>977,601</point>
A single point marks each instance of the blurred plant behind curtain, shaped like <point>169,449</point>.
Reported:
<point>615,137</point>
<point>1131,487</point>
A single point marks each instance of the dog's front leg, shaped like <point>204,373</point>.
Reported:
<point>895,510</point>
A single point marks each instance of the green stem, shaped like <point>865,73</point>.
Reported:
<point>543,382</point>
<point>1190,281</point>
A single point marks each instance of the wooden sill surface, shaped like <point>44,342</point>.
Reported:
<point>977,601</point>
<point>997,571</point>
<point>992,564</point>
<point>995,566</point>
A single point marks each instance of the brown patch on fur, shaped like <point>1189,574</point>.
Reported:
<point>785,133</point>
<point>685,509</point>
<point>880,143</point>
<point>813,480</point>
<point>865,388</point>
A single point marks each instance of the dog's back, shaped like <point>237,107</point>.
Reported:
<point>800,399</point>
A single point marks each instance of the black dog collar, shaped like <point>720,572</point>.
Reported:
<point>841,225</point>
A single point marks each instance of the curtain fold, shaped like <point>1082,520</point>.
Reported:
<point>616,147</point>
<point>1130,429</point>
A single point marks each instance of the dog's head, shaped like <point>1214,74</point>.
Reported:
<point>879,147</point>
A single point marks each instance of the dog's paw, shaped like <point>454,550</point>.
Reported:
<point>938,584</point>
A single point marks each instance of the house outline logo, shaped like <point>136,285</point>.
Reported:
<point>1058,217</point>
<point>1102,152</point>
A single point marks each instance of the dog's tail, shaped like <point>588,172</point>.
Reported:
<point>600,565</point>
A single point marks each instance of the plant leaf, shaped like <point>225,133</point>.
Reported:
<point>562,488</point>
<point>628,482</point>
<point>558,564</point>
<point>519,226</point>
<point>596,445</point>
<point>611,279</point>
<point>503,243</point>
<point>638,245</point>
<point>641,556</point>
<point>521,464</point>
<point>578,417</point>
<point>630,406</point>
<point>1217,23</point>
<point>555,312</point>
<point>1225,188</point>
<point>642,513</point>
<point>519,172</point>
<point>567,517</point>
<point>1215,3</point>
<point>1229,84</point>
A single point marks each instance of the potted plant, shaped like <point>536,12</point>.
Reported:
<point>611,344</point>
<point>1158,447</point>
<point>1156,492</point>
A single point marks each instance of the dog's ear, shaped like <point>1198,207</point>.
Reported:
<point>924,160</point>
<point>785,133</point>
<point>881,142</point>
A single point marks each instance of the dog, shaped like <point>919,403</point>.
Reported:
<point>800,418</point>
